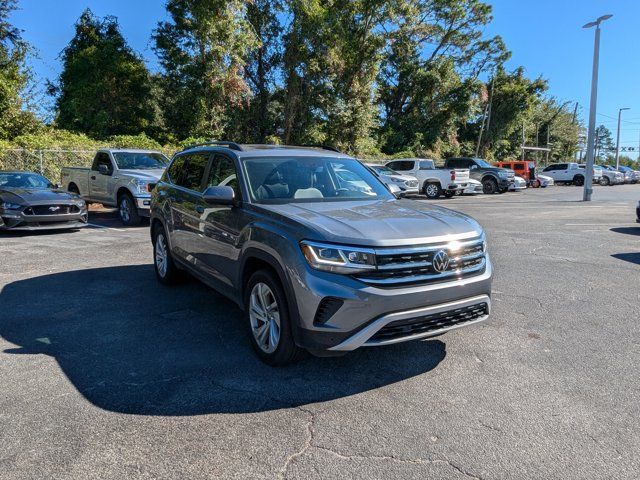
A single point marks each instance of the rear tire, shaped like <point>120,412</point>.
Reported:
<point>165,268</point>
<point>267,315</point>
<point>578,180</point>
<point>128,211</point>
<point>489,186</point>
<point>605,181</point>
<point>449,193</point>
<point>432,190</point>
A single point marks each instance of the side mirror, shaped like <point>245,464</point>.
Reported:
<point>151,186</point>
<point>219,195</point>
<point>395,189</point>
<point>103,169</point>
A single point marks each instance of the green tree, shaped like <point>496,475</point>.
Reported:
<point>553,121</point>
<point>428,83</point>
<point>104,86</point>
<point>203,49</point>
<point>332,56</point>
<point>15,118</point>
<point>603,145</point>
<point>512,102</point>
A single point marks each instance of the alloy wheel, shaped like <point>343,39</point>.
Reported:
<point>264,315</point>
<point>161,255</point>
<point>125,210</point>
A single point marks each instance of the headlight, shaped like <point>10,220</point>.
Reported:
<point>338,259</point>
<point>10,206</point>
<point>142,185</point>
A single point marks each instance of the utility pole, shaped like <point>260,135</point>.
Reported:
<point>588,181</point>
<point>618,138</point>
<point>486,116</point>
<point>523,141</point>
<point>548,135</point>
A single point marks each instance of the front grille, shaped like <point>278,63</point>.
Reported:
<point>419,265</point>
<point>430,323</point>
<point>52,210</point>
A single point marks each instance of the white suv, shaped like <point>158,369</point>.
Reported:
<point>569,173</point>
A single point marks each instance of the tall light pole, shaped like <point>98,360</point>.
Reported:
<point>618,138</point>
<point>588,181</point>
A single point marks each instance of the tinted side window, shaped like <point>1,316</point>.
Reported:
<point>102,158</point>
<point>562,166</point>
<point>193,172</point>
<point>175,169</point>
<point>223,173</point>
<point>550,168</point>
<point>426,165</point>
<point>458,163</point>
<point>401,165</point>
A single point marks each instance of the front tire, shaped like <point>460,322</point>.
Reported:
<point>449,193</point>
<point>432,190</point>
<point>128,211</point>
<point>605,181</point>
<point>489,186</point>
<point>578,180</point>
<point>165,268</point>
<point>267,314</point>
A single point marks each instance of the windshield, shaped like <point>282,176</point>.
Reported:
<point>384,170</point>
<point>311,179</point>
<point>24,180</point>
<point>140,161</point>
<point>482,163</point>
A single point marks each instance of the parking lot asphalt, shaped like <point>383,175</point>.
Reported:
<point>106,374</point>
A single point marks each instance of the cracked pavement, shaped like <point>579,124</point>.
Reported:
<point>104,374</point>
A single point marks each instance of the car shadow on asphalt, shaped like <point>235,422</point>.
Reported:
<point>633,257</point>
<point>130,345</point>
<point>627,230</point>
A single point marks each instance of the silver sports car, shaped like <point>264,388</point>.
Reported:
<point>29,201</point>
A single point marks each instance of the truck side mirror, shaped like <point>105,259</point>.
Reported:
<point>103,169</point>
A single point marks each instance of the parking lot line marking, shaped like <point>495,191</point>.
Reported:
<point>108,228</point>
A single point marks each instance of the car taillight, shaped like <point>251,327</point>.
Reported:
<point>453,175</point>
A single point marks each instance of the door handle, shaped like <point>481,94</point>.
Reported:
<point>200,209</point>
<point>93,177</point>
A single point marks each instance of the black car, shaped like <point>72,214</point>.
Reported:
<point>28,201</point>
<point>493,179</point>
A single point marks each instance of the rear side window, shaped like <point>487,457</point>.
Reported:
<point>518,166</point>
<point>192,175</point>
<point>175,169</point>
<point>426,165</point>
<point>401,165</point>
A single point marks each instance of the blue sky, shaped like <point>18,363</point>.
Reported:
<point>544,35</point>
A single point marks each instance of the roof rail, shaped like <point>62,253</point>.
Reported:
<point>221,143</point>
<point>323,147</point>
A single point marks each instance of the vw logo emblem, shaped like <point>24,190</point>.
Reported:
<point>441,261</point>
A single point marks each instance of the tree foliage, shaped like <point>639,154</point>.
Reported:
<point>104,88</point>
<point>15,118</point>
<point>203,49</point>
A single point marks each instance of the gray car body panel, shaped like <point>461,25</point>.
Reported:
<point>220,243</point>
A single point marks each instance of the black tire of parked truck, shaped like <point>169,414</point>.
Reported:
<point>449,193</point>
<point>286,351</point>
<point>432,190</point>
<point>489,186</point>
<point>578,180</point>
<point>605,181</point>
<point>128,210</point>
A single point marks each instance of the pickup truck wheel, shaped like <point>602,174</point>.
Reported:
<point>578,180</point>
<point>432,190</point>
<point>605,181</point>
<point>128,210</point>
<point>269,322</point>
<point>489,186</point>
<point>449,193</point>
<point>166,270</point>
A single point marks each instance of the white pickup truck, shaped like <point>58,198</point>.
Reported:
<point>118,178</point>
<point>433,182</point>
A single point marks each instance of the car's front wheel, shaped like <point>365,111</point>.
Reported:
<point>269,321</point>
<point>128,211</point>
<point>605,181</point>
<point>165,268</point>
<point>489,186</point>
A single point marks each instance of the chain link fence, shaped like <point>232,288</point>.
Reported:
<point>46,162</point>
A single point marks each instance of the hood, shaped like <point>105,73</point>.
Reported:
<point>378,222</point>
<point>149,175</point>
<point>25,196</point>
<point>402,178</point>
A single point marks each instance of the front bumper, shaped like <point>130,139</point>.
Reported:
<point>143,205</point>
<point>19,221</point>
<point>366,309</point>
